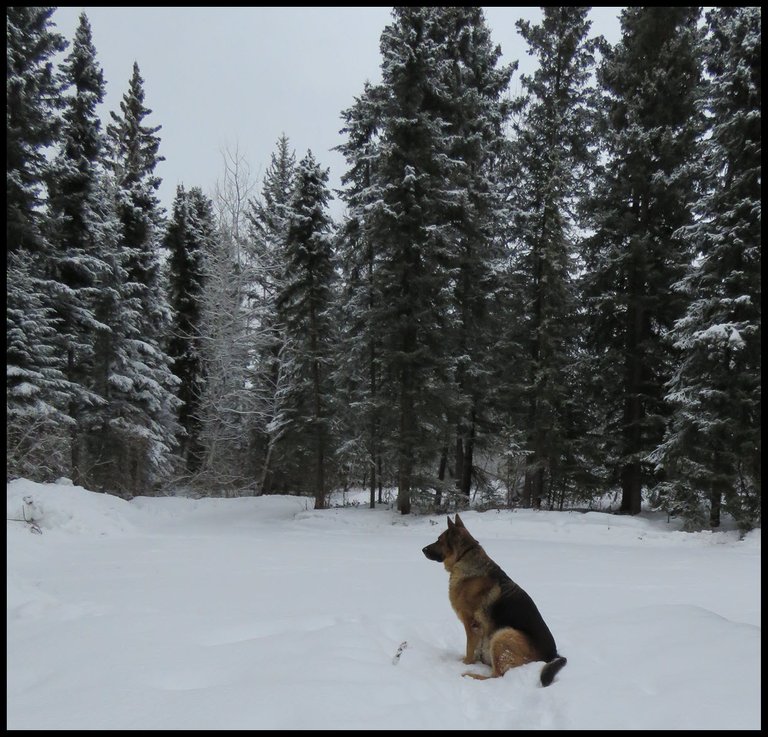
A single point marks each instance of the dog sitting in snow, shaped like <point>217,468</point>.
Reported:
<point>503,626</point>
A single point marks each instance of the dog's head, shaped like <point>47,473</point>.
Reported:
<point>451,544</point>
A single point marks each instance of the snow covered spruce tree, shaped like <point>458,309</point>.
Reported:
<point>554,145</point>
<point>643,196</point>
<point>36,388</point>
<point>33,97</point>
<point>423,230</point>
<point>711,454</point>
<point>413,239</point>
<point>189,236</point>
<point>37,391</point>
<point>475,112</point>
<point>357,376</point>
<point>267,218</point>
<point>83,235</point>
<point>304,303</point>
<point>146,455</point>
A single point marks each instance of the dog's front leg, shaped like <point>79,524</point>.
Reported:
<point>474,635</point>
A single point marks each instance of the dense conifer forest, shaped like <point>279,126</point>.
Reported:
<point>534,300</point>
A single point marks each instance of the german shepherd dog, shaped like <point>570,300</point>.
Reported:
<point>504,628</point>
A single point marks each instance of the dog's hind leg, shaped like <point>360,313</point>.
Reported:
<point>509,648</point>
<point>478,676</point>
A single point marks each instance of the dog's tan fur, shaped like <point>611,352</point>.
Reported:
<point>502,625</point>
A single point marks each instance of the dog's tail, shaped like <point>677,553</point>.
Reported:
<point>551,669</point>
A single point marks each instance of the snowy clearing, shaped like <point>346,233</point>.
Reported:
<point>261,613</point>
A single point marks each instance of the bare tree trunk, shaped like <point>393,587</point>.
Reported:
<point>631,474</point>
<point>715,500</point>
<point>74,436</point>
<point>320,501</point>
<point>459,457</point>
<point>373,440</point>
<point>441,474</point>
<point>372,486</point>
<point>405,450</point>
<point>533,487</point>
<point>265,469</point>
<point>465,478</point>
<point>631,489</point>
<point>715,497</point>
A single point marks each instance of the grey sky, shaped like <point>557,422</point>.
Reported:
<point>221,78</point>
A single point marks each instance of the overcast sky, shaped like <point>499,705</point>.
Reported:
<point>225,78</point>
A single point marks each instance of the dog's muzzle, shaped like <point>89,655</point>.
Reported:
<point>433,553</point>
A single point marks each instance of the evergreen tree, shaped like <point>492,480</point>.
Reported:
<point>267,218</point>
<point>36,389</point>
<point>421,245</point>
<point>112,426</point>
<point>189,236</point>
<point>414,240</point>
<point>37,392</point>
<point>643,196</point>
<point>554,148</point>
<point>33,96</point>
<point>476,114</point>
<point>268,228</point>
<point>80,230</point>
<point>358,376</point>
<point>304,303</point>
<point>712,450</point>
<point>133,156</point>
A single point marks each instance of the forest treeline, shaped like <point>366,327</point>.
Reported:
<point>536,299</point>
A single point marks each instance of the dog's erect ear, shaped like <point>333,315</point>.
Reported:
<point>450,524</point>
<point>459,523</point>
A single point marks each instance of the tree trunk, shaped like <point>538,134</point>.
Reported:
<point>265,468</point>
<point>525,498</point>
<point>372,500</point>
<point>459,457</point>
<point>465,477</point>
<point>373,441</point>
<point>715,501</point>
<point>320,501</point>
<point>715,495</point>
<point>631,474</point>
<point>534,472</point>
<point>407,439</point>
<point>533,487</point>
<point>74,442</point>
<point>405,450</point>
<point>441,474</point>
<point>631,487</point>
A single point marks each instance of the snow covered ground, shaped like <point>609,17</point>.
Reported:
<point>260,613</point>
